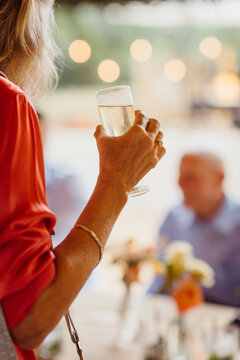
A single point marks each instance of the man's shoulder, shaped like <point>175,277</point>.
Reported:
<point>178,216</point>
<point>233,209</point>
<point>230,211</point>
<point>179,210</point>
<point>175,222</point>
<point>227,219</point>
<point>232,204</point>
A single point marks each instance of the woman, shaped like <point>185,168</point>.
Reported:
<point>38,284</point>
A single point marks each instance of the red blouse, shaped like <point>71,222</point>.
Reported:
<point>26,261</point>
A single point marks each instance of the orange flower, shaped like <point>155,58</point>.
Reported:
<point>187,294</point>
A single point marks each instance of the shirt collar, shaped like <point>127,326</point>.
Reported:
<point>224,221</point>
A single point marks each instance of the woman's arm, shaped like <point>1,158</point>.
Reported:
<point>123,162</point>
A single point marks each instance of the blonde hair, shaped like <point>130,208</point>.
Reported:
<point>27,49</point>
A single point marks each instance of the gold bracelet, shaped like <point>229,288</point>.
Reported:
<point>94,236</point>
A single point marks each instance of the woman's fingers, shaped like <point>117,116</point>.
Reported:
<point>158,143</point>
<point>158,139</point>
<point>159,136</point>
<point>152,127</point>
<point>160,152</point>
<point>140,118</point>
<point>99,132</point>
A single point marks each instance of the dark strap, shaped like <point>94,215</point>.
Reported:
<point>73,334</point>
<point>7,351</point>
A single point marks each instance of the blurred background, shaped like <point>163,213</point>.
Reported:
<point>181,59</point>
<point>182,62</point>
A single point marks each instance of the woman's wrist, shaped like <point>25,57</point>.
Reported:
<point>113,184</point>
<point>106,203</point>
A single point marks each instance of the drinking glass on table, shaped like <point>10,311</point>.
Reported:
<point>115,107</point>
<point>223,345</point>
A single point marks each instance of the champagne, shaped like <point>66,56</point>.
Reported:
<point>116,119</point>
<point>115,107</point>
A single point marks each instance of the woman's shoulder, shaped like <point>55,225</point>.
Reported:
<point>13,100</point>
<point>15,107</point>
<point>8,89</point>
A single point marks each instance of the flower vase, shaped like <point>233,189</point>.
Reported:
<point>186,294</point>
<point>179,339</point>
<point>157,351</point>
<point>129,315</point>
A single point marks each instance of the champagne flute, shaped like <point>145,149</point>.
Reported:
<point>115,107</point>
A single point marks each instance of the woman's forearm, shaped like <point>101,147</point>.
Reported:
<point>123,161</point>
<point>76,257</point>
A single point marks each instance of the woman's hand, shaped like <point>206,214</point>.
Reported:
<point>126,159</point>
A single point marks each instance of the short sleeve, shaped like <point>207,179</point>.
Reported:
<point>27,262</point>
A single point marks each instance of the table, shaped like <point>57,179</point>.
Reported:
<point>98,322</point>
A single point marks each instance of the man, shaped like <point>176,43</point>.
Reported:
<point>210,222</point>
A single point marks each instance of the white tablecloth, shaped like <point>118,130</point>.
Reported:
<point>99,326</point>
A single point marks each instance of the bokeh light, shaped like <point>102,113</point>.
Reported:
<point>141,50</point>
<point>79,51</point>
<point>108,71</point>
<point>226,88</point>
<point>175,70</point>
<point>210,47</point>
<point>227,61</point>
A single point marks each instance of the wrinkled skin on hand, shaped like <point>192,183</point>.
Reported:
<point>128,158</point>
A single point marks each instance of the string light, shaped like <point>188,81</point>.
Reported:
<point>108,71</point>
<point>141,50</point>
<point>79,51</point>
<point>210,47</point>
<point>226,88</point>
<point>175,70</point>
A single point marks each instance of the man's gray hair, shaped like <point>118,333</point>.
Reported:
<point>211,159</point>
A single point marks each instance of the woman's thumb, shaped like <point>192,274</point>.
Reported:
<point>100,132</point>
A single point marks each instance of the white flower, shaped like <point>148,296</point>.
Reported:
<point>178,255</point>
<point>203,272</point>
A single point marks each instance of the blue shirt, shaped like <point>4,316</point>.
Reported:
<point>217,241</point>
<point>66,195</point>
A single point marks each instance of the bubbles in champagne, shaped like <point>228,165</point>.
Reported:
<point>116,119</point>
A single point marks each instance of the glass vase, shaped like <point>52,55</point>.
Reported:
<point>179,339</point>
